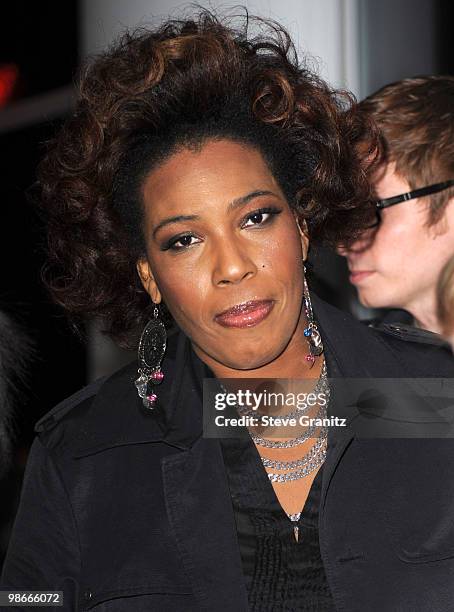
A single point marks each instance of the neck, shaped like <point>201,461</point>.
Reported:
<point>423,312</point>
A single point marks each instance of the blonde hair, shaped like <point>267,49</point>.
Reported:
<point>445,298</point>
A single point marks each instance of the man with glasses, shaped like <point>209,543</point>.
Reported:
<point>397,262</point>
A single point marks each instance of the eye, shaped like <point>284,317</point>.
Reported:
<point>257,216</point>
<point>184,240</point>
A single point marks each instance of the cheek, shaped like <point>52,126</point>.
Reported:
<point>396,243</point>
<point>282,257</point>
<point>281,265</point>
<point>183,289</point>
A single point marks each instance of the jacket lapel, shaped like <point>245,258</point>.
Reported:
<point>201,516</point>
<point>198,500</point>
<point>351,351</point>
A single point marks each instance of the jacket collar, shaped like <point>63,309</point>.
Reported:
<point>117,416</point>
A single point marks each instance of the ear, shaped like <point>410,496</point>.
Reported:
<point>304,234</point>
<point>148,280</point>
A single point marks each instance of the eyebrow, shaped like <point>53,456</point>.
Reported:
<point>233,205</point>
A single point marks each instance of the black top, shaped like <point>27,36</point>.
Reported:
<point>281,573</point>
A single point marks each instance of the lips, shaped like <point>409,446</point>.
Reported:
<point>359,275</point>
<point>246,314</point>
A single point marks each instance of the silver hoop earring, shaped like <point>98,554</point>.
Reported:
<point>152,346</point>
<point>311,331</point>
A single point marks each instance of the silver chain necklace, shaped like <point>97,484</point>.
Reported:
<point>322,386</point>
<point>310,460</point>
<point>310,466</point>
<point>269,443</point>
<point>299,463</point>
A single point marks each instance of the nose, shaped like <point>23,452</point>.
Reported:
<point>342,250</point>
<point>362,243</point>
<point>233,264</point>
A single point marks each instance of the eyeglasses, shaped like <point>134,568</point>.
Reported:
<point>410,195</point>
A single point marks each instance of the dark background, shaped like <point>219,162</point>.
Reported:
<point>39,43</point>
<point>42,44</point>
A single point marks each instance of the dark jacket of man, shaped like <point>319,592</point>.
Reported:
<point>124,509</point>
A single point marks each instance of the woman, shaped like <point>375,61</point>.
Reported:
<point>197,167</point>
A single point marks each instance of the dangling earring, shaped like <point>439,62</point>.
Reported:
<point>311,331</point>
<point>152,347</point>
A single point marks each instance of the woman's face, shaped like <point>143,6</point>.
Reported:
<point>219,232</point>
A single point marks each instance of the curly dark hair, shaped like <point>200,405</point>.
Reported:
<point>157,90</point>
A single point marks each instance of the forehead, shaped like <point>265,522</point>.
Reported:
<point>387,182</point>
<point>222,169</point>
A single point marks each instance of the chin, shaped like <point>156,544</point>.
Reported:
<point>382,303</point>
<point>245,362</point>
<point>373,301</point>
<point>250,357</point>
<point>371,304</point>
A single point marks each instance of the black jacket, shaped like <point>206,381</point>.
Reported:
<point>124,510</point>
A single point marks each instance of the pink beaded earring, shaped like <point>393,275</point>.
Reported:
<point>152,347</point>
